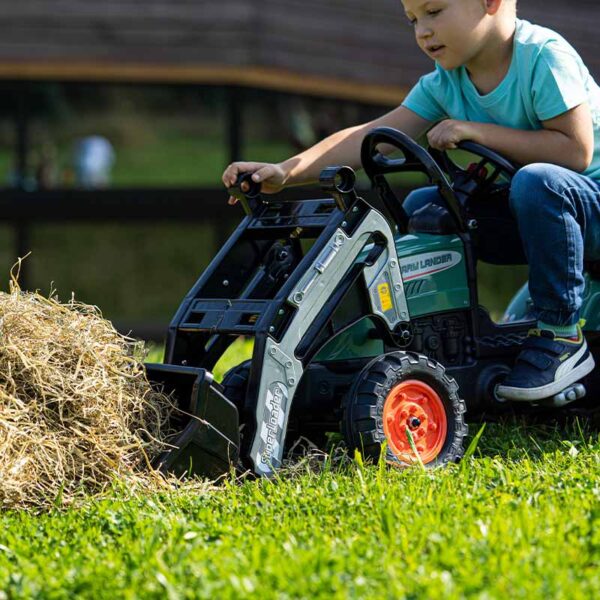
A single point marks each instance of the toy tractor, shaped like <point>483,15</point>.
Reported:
<point>363,323</point>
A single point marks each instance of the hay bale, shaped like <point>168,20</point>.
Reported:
<point>76,409</point>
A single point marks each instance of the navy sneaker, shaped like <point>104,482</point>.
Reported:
<point>546,366</point>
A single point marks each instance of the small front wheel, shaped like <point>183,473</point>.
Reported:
<point>235,384</point>
<point>408,401</point>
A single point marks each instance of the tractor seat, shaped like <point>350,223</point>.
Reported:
<point>432,218</point>
<point>435,219</point>
<point>495,240</point>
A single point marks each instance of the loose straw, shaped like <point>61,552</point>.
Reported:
<point>76,409</point>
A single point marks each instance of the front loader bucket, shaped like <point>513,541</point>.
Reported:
<point>208,440</point>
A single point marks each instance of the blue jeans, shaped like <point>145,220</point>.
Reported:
<point>551,220</point>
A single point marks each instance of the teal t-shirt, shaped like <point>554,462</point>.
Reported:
<point>545,79</point>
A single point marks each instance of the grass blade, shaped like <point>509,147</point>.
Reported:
<point>474,443</point>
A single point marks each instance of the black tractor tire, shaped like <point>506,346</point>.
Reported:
<point>363,421</point>
<point>235,388</point>
<point>235,384</point>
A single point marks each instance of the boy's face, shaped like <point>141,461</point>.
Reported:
<point>450,32</point>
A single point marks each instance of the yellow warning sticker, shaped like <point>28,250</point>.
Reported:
<point>385,297</point>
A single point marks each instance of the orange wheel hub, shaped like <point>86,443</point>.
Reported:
<point>416,407</point>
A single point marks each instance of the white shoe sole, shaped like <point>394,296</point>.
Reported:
<point>550,389</point>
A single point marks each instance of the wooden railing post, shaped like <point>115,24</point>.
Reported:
<point>235,123</point>
<point>21,164</point>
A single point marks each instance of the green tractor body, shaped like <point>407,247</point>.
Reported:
<point>434,273</point>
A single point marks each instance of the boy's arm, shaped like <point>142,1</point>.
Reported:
<point>566,140</point>
<point>341,148</point>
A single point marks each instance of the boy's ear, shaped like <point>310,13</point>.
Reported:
<point>493,6</point>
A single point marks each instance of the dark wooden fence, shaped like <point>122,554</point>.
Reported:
<point>23,210</point>
<point>355,49</point>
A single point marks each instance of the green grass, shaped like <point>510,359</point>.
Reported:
<point>153,149</point>
<point>520,518</point>
<point>191,161</point>
<point>239,351</point>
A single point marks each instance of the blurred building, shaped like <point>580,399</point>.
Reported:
<point>353,49</point>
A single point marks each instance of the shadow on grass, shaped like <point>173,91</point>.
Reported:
<point>535,435</point>
<point>512,438</point>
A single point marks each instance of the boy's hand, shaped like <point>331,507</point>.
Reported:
<point>271,176</point>
<point>446,134</point>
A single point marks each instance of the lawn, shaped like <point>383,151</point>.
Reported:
<point>519,518</point>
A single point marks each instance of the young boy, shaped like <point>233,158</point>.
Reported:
<point>523,91</point>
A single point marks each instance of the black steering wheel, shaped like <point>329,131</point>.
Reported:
<point>455,183</point>
<point>416,158</point>
<point>477,176</point>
